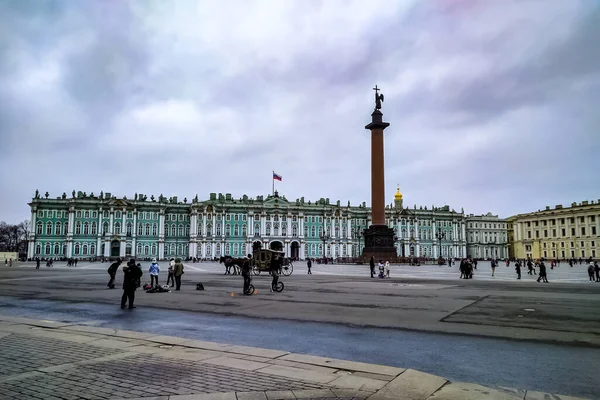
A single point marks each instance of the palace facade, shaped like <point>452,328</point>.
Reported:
<point>559,232</point>
<point>93,226</point>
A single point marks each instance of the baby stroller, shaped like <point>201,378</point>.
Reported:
<point>381,271</point>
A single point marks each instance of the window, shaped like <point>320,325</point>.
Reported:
<point>86,228</point>
<point>49,228</point>
<point>583,231</point>
<point>219,230</point>
<point>268,230</point>
<point>236,230</point>
<point>528,234</point>
<point>78,214</point>
<point>227,249</point>
<point>173,230</point>
<point>40,228</point>
<point>146,250</point>
<point>78,228</point>
<point>147,231</point>
<point>243,217</point>
<point>181,217</point>
<point>92,250</point>
<point>94,231</point>
<point>154,229</point>
<point>58,228</point>
<point>581,219</point>
<point>593,230</point>
<point>66,228</point>
<point>118,215</point>
<point>117,228</point>
<point>77,249</point>
<point>40,214</point>
<point>545,232</point>
<point>154,249</point>
<point>139,249</point>
<point>563,232</point>
<point>56,249</point>
<point>553,232</point>
<point>129,228</point>
<point>572,231</point>
<point>85,249</point>
<point>180,230</point>
<point>227,231</point>
<point>140,231</point>
<point>295,231</point>
<point>244,232</point>
<point>105,214</point>
<point>592,218</point>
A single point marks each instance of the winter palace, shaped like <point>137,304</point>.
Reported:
<point>90,226</point>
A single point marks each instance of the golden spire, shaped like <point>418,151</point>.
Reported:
<point>398,195</point>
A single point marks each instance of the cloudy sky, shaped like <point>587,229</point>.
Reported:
<point>493,105</point>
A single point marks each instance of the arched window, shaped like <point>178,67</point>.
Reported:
<point>87,214</point>
<point>284,230</point>
<point>140,231</point>
<point>154,229</point>
<point>268,230</point>
<point>218,250</point>
<point>179,249</point>
<point>244,231</point>
<point>47,249</point>
<point>86,228</point>
<point>77,249</point>
<point>94,230</point>
<point>236,230</point>
<point>173,230</point>
<point>78,228</point>
<point>187,230</point>
<point>78,214</point>
<point>154,249</point>
<point>38,249</point>
<point>227,231</point>
<point>146,250</point>
<point>235,247</point>
<point>256,229</point>
<point>294,230</point>
<point>40,228</point>
<point>138,251</point>
<point>199,229</point>
<point>180,230</point>
<point>209,230</point>
<point>218,231</point>
<point>208,250</point>
<point>337,232</point>
<point>227,249</point>
<point>56,249</point>
<point>147,230</point>
<point>117,228</point>
<point>320,253</point>
<point>344,250</point>
<point>57,228</point>
<point>313,231</point>
<point>93,250</point>
<point>85,249</point>
<point>118,215</point>
<point>129,228</point>
<point>49,228</point>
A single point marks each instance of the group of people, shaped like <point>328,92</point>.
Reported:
<point>8,262</point>
<point>384,269</point>
<point>132,274</point>
<point>594,268</point>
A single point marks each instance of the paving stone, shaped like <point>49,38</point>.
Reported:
<point>297,373</point>
<point>280,395</point>
<point>470,391</point>
<point>411,385</point>
<point>342,364</point>
<point>313,394</point>
<point>357,382</point>
<point>207,396</point>
<point>236,363</point>
<point>251,396</point>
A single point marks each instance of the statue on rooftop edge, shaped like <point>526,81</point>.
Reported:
<point>37,194</point>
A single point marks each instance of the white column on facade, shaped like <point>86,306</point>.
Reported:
<point>123,222</point>
<point>213,245</point>
<point>214,229</point>
<point>71,221</point>
<point>263,220</point>
<point>289,226</point>
<point>110,224</point>
<point>301,225</point>
<point>223,225</point>
<point>203,233</point>
<point>302,251</point>
<point>107,248</point>
<point>194,224</point>
<point>32,232</point>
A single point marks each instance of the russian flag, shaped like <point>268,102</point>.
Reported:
<point>276,177</point>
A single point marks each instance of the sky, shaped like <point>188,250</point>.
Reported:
<point>493,104</point>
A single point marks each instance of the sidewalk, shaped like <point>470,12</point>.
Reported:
<point>52,360</point>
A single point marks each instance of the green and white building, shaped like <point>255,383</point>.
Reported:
<point>93,226</point>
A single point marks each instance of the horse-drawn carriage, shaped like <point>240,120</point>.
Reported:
<point>262,259</point>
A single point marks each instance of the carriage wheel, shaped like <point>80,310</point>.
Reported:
<point>250,290</point>
<point>279,287</point>
<point>256,270</point>
<point>287,269</point>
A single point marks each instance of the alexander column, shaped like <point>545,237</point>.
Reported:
<point>379,238</point>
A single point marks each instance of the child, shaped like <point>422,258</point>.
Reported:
<point>154,269</point>
<point>387,268</point>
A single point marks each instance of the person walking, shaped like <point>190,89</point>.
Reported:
<point>309,266</point>
<point>276,265</point>
<point>246,273</point>
<point>131,277</point>
<point>154,269</point>
<point>37,263</point>
<point>6,262</point>
<point>372,266</point>
<point>10,262</point>
<point>178,271</point>
<point>171,270</point>
<point>530,270</point>
<point>518,269</point>
<point>387,269</point>
<point>493,263</point>
<point>591,269</point>
<point>449,262</point>
<point>597,269</point>
<point>112,272</point>
<point>543,274</point>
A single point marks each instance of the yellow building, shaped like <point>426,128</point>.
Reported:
<point>559,232</point>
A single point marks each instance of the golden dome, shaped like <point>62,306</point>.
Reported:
<point>398,195</point>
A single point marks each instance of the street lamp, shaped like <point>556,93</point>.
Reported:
<point>440,235</point>
<point>358,233</point>
<point>324,237</point>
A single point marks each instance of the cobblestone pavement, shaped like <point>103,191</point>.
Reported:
<point>51,361</point>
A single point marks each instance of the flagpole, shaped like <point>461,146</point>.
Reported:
<point>273,179</point>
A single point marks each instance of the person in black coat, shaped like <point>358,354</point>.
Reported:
<point>372,265</point>
<point>112,272</point>
<point>518,269</point>
<point>543,276</point>
<point>309,265</point>
<point>132,274</point>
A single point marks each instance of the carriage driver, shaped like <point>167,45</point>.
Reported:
<point>276,265</point>
<point>246,272</point>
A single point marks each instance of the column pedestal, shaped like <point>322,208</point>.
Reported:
<point>379,243</point>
